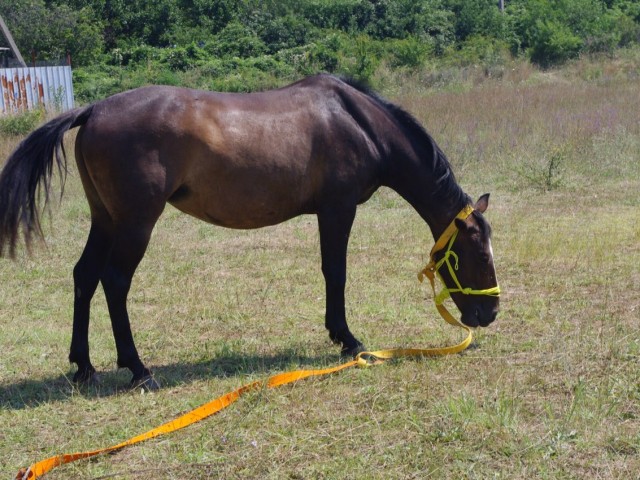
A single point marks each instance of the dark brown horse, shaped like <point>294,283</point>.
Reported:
<point>319,146</point>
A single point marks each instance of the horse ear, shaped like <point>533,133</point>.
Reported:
<point>482,203</point>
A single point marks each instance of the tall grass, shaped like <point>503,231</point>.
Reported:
<point>551,391</point>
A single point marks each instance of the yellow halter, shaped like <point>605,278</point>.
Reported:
<point>432,268</point>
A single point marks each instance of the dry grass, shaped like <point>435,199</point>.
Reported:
<point>552,391</point>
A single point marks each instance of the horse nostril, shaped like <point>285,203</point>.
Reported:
<point>484,316</point>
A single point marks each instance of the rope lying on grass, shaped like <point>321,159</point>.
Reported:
<point>200,413</point>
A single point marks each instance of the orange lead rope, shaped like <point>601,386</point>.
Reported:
<point>363,359</point>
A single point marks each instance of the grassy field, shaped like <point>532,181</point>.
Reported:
<point>551,390</point>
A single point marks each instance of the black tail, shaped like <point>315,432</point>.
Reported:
<point>27,175</point>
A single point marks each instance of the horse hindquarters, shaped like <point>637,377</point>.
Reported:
<point>122,219</point>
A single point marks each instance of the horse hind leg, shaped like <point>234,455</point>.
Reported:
<point>129,246</point>
<point>86,275</point>
<point>123,216</point>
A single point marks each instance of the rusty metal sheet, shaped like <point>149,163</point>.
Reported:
<point>23,89</point>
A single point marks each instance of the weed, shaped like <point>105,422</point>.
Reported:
<point>544,174</point>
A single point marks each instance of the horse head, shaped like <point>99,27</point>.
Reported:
<point>463,258</point>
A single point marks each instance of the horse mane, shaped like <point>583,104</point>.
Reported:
<point>447,187</point>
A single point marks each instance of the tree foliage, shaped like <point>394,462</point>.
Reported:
<point>155,40</point>
<point>49,31</point>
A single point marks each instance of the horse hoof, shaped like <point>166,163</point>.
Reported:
<point>353,351</point>
<point>86,377</point>
<point>147,383</point>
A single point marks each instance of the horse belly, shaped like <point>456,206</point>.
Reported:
<point>243,198</point>
<point>252,213</point>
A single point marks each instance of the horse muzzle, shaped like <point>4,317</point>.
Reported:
<point>481,313</point>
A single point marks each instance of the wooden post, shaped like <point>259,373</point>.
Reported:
<point>12,44</point>
<point>5,58</point>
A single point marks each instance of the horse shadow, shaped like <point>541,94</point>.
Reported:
<point>32,393</point>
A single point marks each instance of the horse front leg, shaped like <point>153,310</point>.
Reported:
<point>335,227</point>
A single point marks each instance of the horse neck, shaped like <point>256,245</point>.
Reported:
<point>439,211</point>
<point>437,202</point>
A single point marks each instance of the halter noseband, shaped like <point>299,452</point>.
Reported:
<point>432,268</point>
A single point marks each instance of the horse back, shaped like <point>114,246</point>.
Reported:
<point>238,160</point>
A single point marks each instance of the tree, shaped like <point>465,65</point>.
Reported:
<point>52,31</point>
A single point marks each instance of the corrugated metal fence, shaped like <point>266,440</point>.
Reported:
<point>33,87</point>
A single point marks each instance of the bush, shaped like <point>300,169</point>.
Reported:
<point>553,43</point>
<point>361,59</point>
<point>478,18</point>
<point>552,32</point>
<point>20,124</point>
<point>95,83</point>
<point>191,42</point>
<point>351,16</point>
<point>236,40</point>
<point>182,59</point>
<point>323,55</point>
<point>411,52</point>
<point>285,32</point>
<point>322,58</point>
<point>627,28</point>
<point>544,174</point>
<point>479,50</point>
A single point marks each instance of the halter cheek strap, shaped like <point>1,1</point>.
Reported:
<point>432,268</point>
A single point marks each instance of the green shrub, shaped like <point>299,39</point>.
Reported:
<point>627,28</point>
<point>166,77</point>
<point>244,80</point>
<point>322,58</point>
<point>237,40</point>
<point>479,50</point>
<point>546,173</point>
<point>285,32</point>
<point>95,83</point>
<point>346,15</point>
<point>360,58</point>
<point>411,52</point>
<point>478,18</point>
<point>20,124</point>
<point>553,43</point>
<point>322,55</point>
<point>184,58</point>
